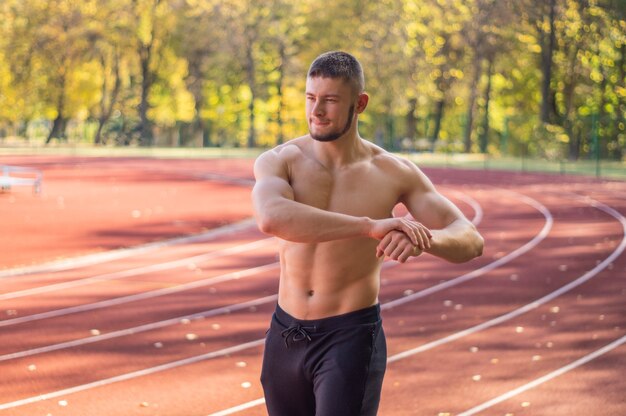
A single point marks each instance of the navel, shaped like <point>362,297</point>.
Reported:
<point>311,293</point>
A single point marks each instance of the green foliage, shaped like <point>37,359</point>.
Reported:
<point>448,75</point>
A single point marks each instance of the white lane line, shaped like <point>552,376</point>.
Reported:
<point>537,303</point>
<point>239,408</point>
<point>556,373</point>
<point>138,270</point>
<point>141,296</point>
<point>141,328</point>
<point>218,177</point>
<point>146,327</point>
<point>134,374</point>
<point>425,347</point>
<point>478,214</point>
<point>476,207</point>
<point>97,258</point>
<point>487,404</point>
<point>491,266</point>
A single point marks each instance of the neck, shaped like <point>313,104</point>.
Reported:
<point>345,150</point>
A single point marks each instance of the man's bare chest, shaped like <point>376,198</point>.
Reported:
<point>359,191</point>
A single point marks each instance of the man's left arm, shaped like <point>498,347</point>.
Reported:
<point>454,237</point>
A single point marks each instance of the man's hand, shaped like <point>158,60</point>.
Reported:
<point>417,233</point>
<point>397,246</point>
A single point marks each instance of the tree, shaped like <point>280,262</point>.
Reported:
<point>199,42</point>
<point>48,43</point>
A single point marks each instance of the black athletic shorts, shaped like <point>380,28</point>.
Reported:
<point>324,367</point>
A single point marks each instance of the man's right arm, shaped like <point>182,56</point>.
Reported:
<point>279,214</point>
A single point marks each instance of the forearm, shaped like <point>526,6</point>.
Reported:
<point>297,222</point>
<point>458,242</point>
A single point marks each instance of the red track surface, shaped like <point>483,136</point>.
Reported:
<point>177,328</point>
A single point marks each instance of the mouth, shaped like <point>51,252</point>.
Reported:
<point>317,122</point>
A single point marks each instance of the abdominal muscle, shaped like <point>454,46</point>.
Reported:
<point>328,279</point>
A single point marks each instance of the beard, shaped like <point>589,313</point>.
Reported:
<point>334,135</point>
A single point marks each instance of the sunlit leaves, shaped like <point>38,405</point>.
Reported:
<point>224,64</point>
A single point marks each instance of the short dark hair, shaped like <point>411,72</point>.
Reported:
<point>338,64</point>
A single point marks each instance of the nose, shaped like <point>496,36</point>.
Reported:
<point>318,108</point>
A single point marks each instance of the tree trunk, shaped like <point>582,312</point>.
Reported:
<point>147,80</point>
<point>145,127</point>
<point>438,118</point>
<point>617,150</point>
<point>199,125</point>
<point>467,138</point>
<point>98,136</point>
<point>58,126</point>
<point>547,50</point>
<point>250,73</point>
<point>107,109</point>
<point>279,91</point>
<point>411,121</point>
<point>573,148</point>
<point>484,136</point>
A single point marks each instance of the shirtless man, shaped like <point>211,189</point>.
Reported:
<point>328,196</point>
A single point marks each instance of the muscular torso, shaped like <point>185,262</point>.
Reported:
<point>326,279</point>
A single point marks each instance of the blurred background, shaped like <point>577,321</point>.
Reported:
<point>542,79</point>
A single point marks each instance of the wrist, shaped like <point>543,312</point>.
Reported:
<point>367,225</point>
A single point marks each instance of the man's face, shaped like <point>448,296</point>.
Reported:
<point>330,108</point>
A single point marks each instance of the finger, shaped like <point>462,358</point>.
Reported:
<point>399,250</point>
<point>409,230</point>
<point>425,239</point>
<point>391,247</point>
<point>380,248</point>
<point>423,235</point>
<point>427,233</point>
<point>421,238</point>
<point>406,254</point>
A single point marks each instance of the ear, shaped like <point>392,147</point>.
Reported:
<point>361,102</point>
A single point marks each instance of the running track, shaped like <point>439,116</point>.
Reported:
<point>536,326</point>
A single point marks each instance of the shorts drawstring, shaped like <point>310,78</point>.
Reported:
<point>297,332</point>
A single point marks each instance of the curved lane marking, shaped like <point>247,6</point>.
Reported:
<point>134,374</point>
<point>476,207</point>
<point>120,274</point>
<point>97,258</point>
<point>618,251</point>
<point>138,329</point>
<point>535,304</point>
<point>147,371</point>
<point>478,215</point>
<point>146,327</point>
<point>141,296</point>
<point>582,279</point>
<point>149,294</point>
<point>491,266</point>
<point>558,372</point>
<point>136,271</point>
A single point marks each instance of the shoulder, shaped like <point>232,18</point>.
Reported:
<point>391,163</point>
<point>278,159</point>
<point>407,173</point>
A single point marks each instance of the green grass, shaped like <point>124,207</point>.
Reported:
<point>607,169</point>
<point>603,169</point>
<point>133,151</point>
